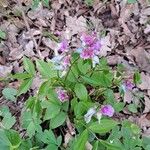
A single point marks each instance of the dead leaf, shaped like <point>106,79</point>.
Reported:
<point>128,97</point>
<point>145,85</point>
<point>142,58</point>
<point>76,25</point>
<point>147,104</point>
<point>67,138</point>
<point>106,45</point>
<point>5,70</point>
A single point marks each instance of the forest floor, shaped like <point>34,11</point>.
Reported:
<point>34,31</point>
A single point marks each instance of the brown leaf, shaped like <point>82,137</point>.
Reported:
<point>5,70</point>
<point>147,104</point>
<point>145,85</point>
<point>76,25</point>
<point>142,58</point>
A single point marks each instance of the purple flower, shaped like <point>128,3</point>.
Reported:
<point>87,53</point>
<point>128,85</point>
<point>97,46</point>
<point>66,61</point>
<point>63,46</point>
<point>87,39</point>
<point>107,110</point>
<point>62,94</point>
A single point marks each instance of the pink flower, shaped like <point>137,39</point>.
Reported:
<point>87,39</point>
<point>97,46</point>
<point>128,85</point>
<point>107,110</point>
<point>66,61</point>
<point>87,53</point>
<point>62,94</point>
<point>63,46</point>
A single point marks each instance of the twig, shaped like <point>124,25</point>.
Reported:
<point>28,28</point>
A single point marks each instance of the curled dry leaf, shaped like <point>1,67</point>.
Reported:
<point>147,104</point>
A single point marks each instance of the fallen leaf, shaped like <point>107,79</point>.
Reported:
<point>147,104</point>
<point>5,70</point>
<point>145,85</point>
<point>76,25</point>
<point>142,58</point>
<point>106,45</point>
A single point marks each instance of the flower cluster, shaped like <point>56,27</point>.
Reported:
<point>90,49</point>
<point>62,94</point>
<point>62,61</point>
<point>106,110</point>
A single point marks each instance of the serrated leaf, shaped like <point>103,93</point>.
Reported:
<point>58,120</point>
<point>26,84</point>
<point>81,141</point>
<point>29,66</point>
<point>46,69</point>
<point>9,94</point>
<point>103,127</point>
<point>81,91</point>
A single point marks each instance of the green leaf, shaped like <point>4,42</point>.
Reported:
<point>89,2</point>
<point>83,67</point>
<point>46,3</point>
<point>14,138</point>
<point>103,127</point>
<point>137,78</point>
<point>52,109</point>
<point>81,141</point>
<point>132,108</point>
<point>29,66</point>
<point>43,90</point>
<point>46,69</point>
<point>35,4</point>
<point>111,146</point>
<point>31,122</point>
<point>9,94</point>
<point>81,91</point>
<point>2,35</point>
<point>26,84</point>
<point>58,120</point>
<point>8,120</point>
<point>21,76</point>
<point>48,137</point>
<point>131,1</point>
